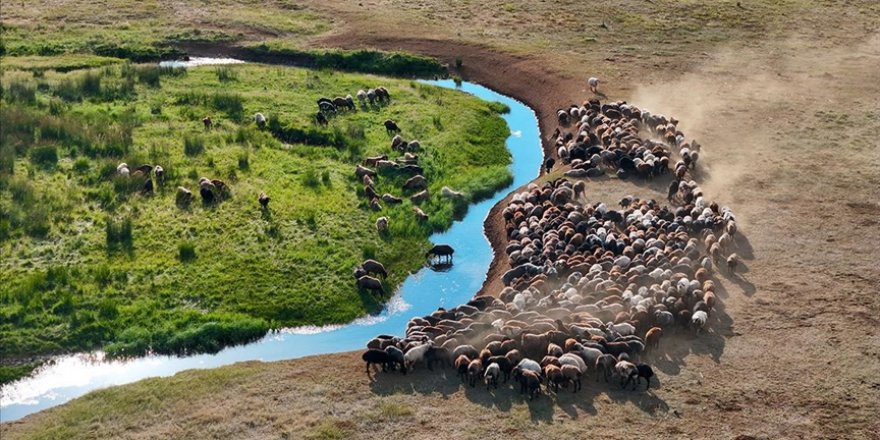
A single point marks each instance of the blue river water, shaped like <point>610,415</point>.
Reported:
<point>72,376</point>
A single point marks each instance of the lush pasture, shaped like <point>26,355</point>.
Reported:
<point>89,260</point>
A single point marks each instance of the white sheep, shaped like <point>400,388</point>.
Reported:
<point>594,84</point>
<point>416,354</point>
<point>493,372</point>
<point>698,320</point>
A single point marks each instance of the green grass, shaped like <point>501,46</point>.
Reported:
<point>89,260</point>
<point>368,61</point>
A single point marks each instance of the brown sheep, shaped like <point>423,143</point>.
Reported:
<point>374,204</point>
<point>208,122</point>
<point>461,366</point>
<point>372,161</point>
<point>652,338</point>
<point>420,196</point>
<point>420,215</point>
<point>732,263</point>
<point>264,200</point>
<point>535,345</point>
<point>572,375</point>
<point>554,376</point>
<point>416,182</point>
<point>474,371</point>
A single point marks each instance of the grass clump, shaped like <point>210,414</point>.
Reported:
<point>186,251</point>
<point>193,145</point>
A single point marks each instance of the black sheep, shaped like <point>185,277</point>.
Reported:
<point>642,370</point>
<point>374,356</point>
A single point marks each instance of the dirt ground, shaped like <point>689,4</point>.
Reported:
<point>790,132</point>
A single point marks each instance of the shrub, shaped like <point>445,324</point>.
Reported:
<point>310,178</point>
<point>21,92</point>
<point>232,104</point>
<point>193,145</point>
<point>369,61</point>
<point>226,74</point>
<point>150,75</point>
<point>81,165</point>
<point>244,161</point>
<point>118,233</point>
<point>325,177</point>
<point>45,156</point>
<point>186,251</point>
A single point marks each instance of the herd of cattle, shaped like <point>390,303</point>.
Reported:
<point>591,288</point>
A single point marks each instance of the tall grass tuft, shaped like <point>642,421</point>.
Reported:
<point>118,234</point>
<point>193,145</point>
<point>186,251</point>
<point>226,74</point>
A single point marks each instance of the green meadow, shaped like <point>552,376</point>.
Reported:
<point>89,260</point>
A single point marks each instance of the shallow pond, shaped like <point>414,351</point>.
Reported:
<point>72,376</point>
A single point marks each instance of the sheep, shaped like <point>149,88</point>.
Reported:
<point>373,160</point>
<point>420,215</point>
<point>623,369</point>
<point>504,363</point>
<point>391,126</point>
<point>382,224</point>
<point>467,350</point>
<point>264,200</point>
<point>184,197</point>
<point>362,97</point>
<point>530,381</point>
<point>732,263</point>
<point>320,119</point>
<point>535,345</point>
<point>529,364</point>
<point>388,198</point>
<point>371,96</point>
<point>461,366</point>
<point>492,374</point>
<point>573,375</point>
<point>474,371</point>
<point>397,357</point>
<point>375,267</point>
<point>160,174</point>
<point>416,182</point>
<point>207,122</point>
<point>549,164</point>
<point>652,338</point>
<point>450,193</point>
<point>420,197</point>
<point>363,171</point>
<point>374,204</point>
<point>415,355</point>
<point>574,360</point>
<point>260,120</point>
<point>605,365</point>
<point>554,350</point>
<point>642,370</point>
<point>123,170</point>
<point>554,376</point>
<point>370,283</point>
<point>375,356</point>
<point>594,84</point>
<point>698,320</point>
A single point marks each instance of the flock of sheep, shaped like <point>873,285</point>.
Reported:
<point>591,288</point>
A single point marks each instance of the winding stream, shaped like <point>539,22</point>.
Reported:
<point>72,376</point>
